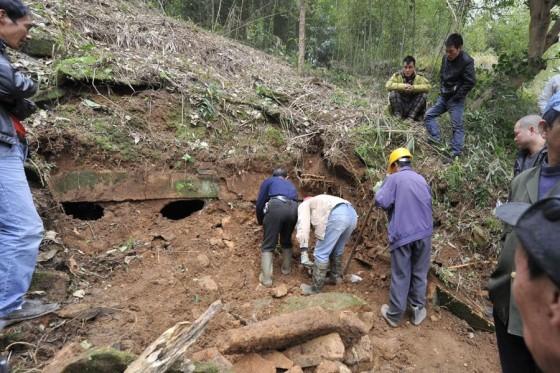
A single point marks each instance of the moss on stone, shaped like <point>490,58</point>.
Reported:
<point>106,360</point>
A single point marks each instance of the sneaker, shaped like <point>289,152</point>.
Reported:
<point>418,315</point>
<point>384,311</point>
<point>30,309</point>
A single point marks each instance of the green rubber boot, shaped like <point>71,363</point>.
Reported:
<point>266,268</point>
<point>286,261</point>
<point>319,275</point>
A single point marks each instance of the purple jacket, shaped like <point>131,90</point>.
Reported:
<point>407,198</point>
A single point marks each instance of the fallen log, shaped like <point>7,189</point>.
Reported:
<point>172,344</point>
<point>291,329</point>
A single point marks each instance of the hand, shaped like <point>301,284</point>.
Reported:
<point>407,87</point>
<point>377,186</point>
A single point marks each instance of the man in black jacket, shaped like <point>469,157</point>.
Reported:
<point>21,228</point>
<point>457,78</point>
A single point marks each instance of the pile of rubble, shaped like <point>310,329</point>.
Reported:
<point>309,340</point>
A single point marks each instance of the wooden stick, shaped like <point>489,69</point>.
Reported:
<point>358,240</point>
<point>469,264</point>
<point>172,344</point>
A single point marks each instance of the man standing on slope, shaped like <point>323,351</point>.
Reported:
<point>407,91</point>
<point>277,212</point>
<point>407,198</point>
<point>457,78</point>
<point>529,186</point>
<point>21,228</point>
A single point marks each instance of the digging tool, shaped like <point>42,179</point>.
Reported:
<point>359,239</point>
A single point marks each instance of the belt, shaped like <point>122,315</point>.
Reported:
<point>281,198</point>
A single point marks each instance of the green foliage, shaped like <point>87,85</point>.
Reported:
<point>275,136</point>
<point>206,108</point>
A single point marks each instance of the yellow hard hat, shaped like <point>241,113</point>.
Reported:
<point>395,156</point>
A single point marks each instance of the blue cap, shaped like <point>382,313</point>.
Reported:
<point>538,228</point>
<point>552,108</point>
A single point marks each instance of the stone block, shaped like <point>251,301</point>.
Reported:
<point>253,363</point>
<point>312,353</point>
<point>361,352</point>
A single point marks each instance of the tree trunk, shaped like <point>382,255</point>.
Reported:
<point>301,56</point>
<point>541,36</point>
<point>172,344</point>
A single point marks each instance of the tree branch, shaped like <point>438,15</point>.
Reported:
<point>552,35</point>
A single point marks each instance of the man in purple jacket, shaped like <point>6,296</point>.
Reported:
<point>407,198</point>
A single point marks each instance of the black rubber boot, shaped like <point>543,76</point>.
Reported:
<point>319,275</point>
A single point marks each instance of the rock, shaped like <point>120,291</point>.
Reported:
<point>63,358</point>
<point>203,260</point>
<point>279,360</point>
<point>230,244</point>
<point>72,310</point>
<point>333,301</point>
<point>280,291</point>
<point>214,356</point>
<point>388,347</point>
<point>312,353</point>
<point>50,95</point>
<point>434,318</point>
<point>39,46</point>
<point>295,369</point>
<point>101,360</point>
<point>361,352</point>
<point>253,363</point>
<point>328,366</point>
<point>208,283</point>
<point>367,318</point>
<point>288,329</point>
<point>54,283</point>
<point>215,241</point>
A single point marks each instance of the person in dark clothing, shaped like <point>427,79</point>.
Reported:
<point>457,78</point>
<point>531,145</point>
<point>21,228</point>
<point>407,91</point>
<point>407,198</point>
<point>277,211</point>
<point>530,186</point>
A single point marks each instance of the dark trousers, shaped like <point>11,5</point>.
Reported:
<point>410,264</point>
<point>280,219</point>
<point>514,354</point>
<point>408,105</point>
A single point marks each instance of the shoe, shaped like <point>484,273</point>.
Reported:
<point>266,269</point>
<point>30,309</point>
<point>450,159</point>
<point>418,315</point>
<point>384,310</point>
<point>286,261</point>
<point>335,275</point>
<point>305,260</point>
<point>319,275</point>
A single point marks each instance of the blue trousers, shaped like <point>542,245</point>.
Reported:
<point>409,276</point>
<point>342,222</point>
<point>455,109</point>
<point>21,229</point>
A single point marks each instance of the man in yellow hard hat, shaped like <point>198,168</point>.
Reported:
<point>407,198</point>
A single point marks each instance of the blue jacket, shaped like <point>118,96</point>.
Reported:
<point>15,88</point>
<point>407,198</point>
<point>271,187</point>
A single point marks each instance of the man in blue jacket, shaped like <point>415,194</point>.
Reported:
<point>457,78</point>
<point>407,198</point>
<point>277,212</point>
<point>21,228</point>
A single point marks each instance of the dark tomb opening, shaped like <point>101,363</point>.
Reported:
<point>178,210</point>
<point>83,210</point>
